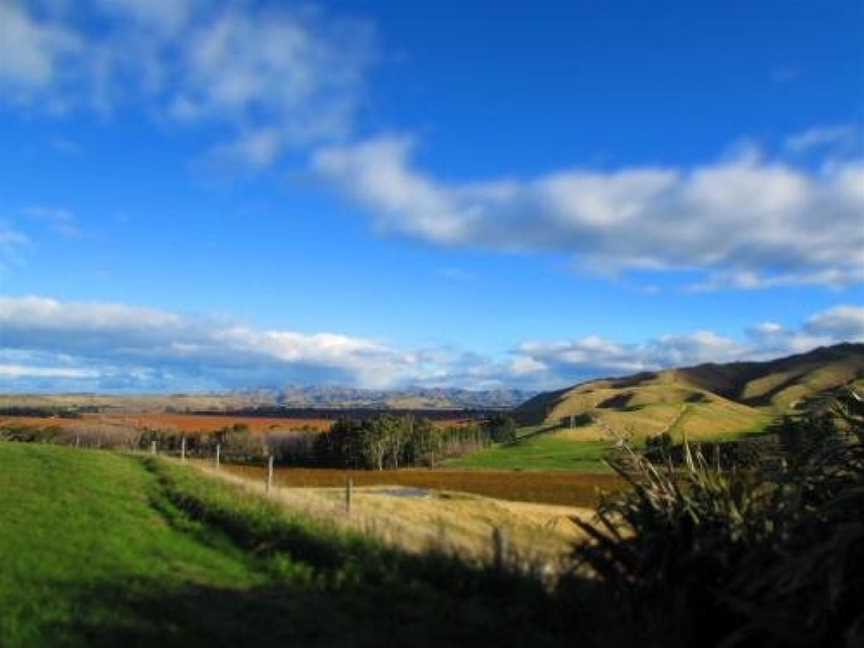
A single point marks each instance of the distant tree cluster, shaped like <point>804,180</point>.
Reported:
<point>41,411</point>
<point>388,442</point>
<point>236,443</point>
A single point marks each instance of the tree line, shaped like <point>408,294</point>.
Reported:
<point>380,443</point>
<point>390,442</point>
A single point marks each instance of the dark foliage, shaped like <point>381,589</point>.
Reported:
<point>759,555</point>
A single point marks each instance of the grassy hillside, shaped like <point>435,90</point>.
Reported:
<point>102,549</point>
<point>708,401</point>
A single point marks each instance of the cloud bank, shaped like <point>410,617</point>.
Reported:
<point>53,345</point>
<point>748,222</point>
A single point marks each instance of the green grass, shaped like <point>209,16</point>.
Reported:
<point>540,448</point>
<point>81,539</point>
<point>101,549</point>
<point>540,452</point>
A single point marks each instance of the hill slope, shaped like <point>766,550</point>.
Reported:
<point>709,400</point>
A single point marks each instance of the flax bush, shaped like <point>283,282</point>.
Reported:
<point>701,555</point>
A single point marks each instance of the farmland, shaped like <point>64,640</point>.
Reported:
<point>188,423</point>
<point>416,518</point>
<point>547,487</point>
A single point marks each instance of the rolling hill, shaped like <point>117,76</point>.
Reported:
<point>705,401</point>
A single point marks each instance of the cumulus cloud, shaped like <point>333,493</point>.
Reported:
<point>840,322</point>
<point>566,361</point>
<point>270,76</point>
<point>747,222</point>
<point>142,339</point>
<point>49,344</point>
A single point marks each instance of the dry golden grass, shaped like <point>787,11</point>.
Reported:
<point>649,406</point>
<point>721,400</point>
<point>418,520</point>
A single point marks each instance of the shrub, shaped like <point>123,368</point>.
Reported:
<point>752,556</point>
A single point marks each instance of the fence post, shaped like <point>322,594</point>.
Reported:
<point>218,453</point>
<point>153,447</point>
<point>349,485</point>
<point>183,449</point>
<point>269,473</point>
<point>500,546</point>
<point>77,440</point>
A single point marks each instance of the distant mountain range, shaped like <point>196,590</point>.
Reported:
<point>708,400</point>
<point>408,398</point>
<point>416,398</point>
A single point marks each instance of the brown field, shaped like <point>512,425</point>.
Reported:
<point>190,423</point>
<point>552,487</point>
<point>204,423</point>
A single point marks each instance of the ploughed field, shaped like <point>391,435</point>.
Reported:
<point>544,487</point>
<point>210,423</point>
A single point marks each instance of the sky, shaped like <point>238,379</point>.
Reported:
<point>205,195</point>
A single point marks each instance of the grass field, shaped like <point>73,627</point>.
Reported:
<point>544,451</point>
<point>102,549</point>
<point>83,541</point>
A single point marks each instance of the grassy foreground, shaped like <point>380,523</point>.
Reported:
<point>101,549</point>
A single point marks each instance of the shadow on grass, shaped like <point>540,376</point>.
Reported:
<point>292,613</point>
<point>552,427</point>
<point>316,587</point>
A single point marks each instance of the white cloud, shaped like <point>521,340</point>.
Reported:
<point>32,51</point>
<point>567,361</point>
<point>747,221</point>
<point>270,78</point>
<point>845,137</point>
<point>87,346</point>
<point>151,341</point>
<point>840,322</point>
<point>9,371</point>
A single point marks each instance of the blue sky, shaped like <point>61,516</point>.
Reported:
<point>209,195</point>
